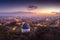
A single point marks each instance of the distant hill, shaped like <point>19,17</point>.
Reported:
<point>15,13</point>
<point>19,13</point>
<point>56,12</point>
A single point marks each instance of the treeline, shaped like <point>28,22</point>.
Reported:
<point>41,33</point>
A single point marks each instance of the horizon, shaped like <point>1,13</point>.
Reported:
<point>36,7</point>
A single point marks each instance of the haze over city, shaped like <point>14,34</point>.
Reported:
<point>29,19</point>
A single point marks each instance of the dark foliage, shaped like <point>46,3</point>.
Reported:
<point>42,33</point>
<point>48,33</point>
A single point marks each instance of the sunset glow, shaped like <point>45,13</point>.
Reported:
<point>28,8</point>
<point>47,11</point>
<point>50,10</point>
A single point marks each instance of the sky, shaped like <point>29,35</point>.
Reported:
<point>34,6</point>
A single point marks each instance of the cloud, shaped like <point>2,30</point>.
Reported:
<point>32,7</point>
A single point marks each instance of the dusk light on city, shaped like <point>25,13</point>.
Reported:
<point>29,19</point>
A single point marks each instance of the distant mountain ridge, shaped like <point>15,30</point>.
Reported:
<point>17,12</point>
